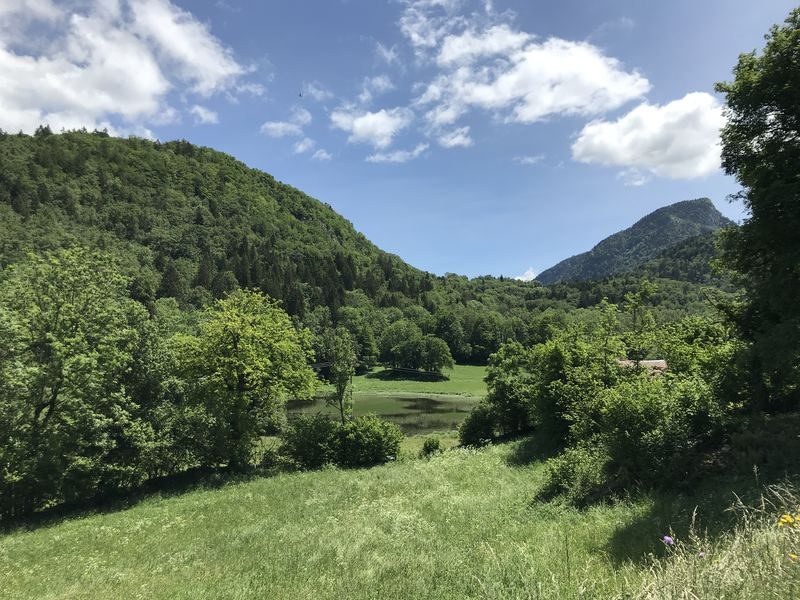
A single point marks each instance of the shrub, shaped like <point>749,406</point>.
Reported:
<point>578,475</point>
<point>650,424</point>
<point>312,441</point>
<point>431,446</point>
<point>368,441</point>
<point>479,426</point>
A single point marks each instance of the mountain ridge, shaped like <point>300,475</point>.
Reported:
<point>647,239</point>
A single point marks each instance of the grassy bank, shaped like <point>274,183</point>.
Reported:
<point>465,380</point>
<point>460,525</point>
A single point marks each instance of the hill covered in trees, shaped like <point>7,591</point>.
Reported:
<point>194,224</point>
<point>652,237</point>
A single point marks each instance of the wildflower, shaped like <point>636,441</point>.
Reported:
<point>667,539</point>
<point>787,520</point>
<point>793,556</point>
<point>701,555</point>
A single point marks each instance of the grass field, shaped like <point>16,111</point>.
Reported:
<point>465,380</point>
<point>459,525</point>
<point>418,406</point>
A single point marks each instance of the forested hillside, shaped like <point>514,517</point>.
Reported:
<point>652,236</point>
<point>193,224</point>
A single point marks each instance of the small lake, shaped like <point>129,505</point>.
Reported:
<point>414,413</point>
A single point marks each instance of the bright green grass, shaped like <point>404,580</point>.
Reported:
<point>414,413</point>
<point>464,380</point>
<point>459,525</point>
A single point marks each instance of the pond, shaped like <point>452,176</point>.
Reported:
<point>414,413</point>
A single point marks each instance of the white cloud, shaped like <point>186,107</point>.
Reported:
<point>186,42</point>
<point>279,129</point>
<point>456,138</point>
<point>31,9</point>
<point>376,128</point>
<point>374,86</point>
<point>528,275</point>
<point>299,118</point>
<point>465,48</point>
<point>204,115</point>
<point>633,177</point>
<point>532,83</point>
<point>304,145</point>
<point>106,64</point>
<point>679,140</point>
<point>533,159</point>
<point>389,55</point>
<point>398,156</point>
<point>321,154</point>
<point>426,22</point>
<point>317,91</point>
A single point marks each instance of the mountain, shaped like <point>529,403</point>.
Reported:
<point>648,239</point>
<point>188,222</point>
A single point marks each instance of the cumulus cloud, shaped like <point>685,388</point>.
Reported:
<point>293,127</point>
<point>398,156</point>
<point>426,22</point>
<point>679,140</point>
<point>468,46</point>
<point>376,128</point>
<point>455,138</point>
<point>387,54</point>
<point>531,83</point>
<point>106,64</point>
<point>186,43</point>
<point>528,275</point>
<point>317,91</point>
<point>531,159</point>
<point>204,115</point>
<point>321,154</point>
<point>374,86</point>
<point>304,145</point>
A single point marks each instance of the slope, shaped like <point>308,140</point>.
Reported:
<point>646,239</point>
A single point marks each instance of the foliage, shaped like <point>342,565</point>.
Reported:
<point>341,351</point>
<point>761,147</point>
<point>70,426</point>
<point>431,446</point>
<point>578,476</point>
<point>509,385</point>
<point>478,428</point>
<point>192,224</point>
<point>246,361</point>
<point>312,441</point>
<point>368,441</point>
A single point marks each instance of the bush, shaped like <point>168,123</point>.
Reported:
<point>368,441</point>
<point>578,475</point>
<point>312,441</point>
<point>431,446</point>
<point>650,424</point>
<point>479,426</point>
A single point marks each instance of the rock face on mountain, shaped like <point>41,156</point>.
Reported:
<point>650,237</point>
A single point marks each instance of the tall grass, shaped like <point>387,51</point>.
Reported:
<point>756,559</point>
<point>461,524</point>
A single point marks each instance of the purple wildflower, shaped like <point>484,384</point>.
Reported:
<point>667,539</point>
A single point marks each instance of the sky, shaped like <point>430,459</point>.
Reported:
<point>467,136</point>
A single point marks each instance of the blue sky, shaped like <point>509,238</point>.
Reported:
<point>470,136</point>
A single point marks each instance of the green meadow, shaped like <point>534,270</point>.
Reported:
<point>418,406</point>
<point>462,524</point>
